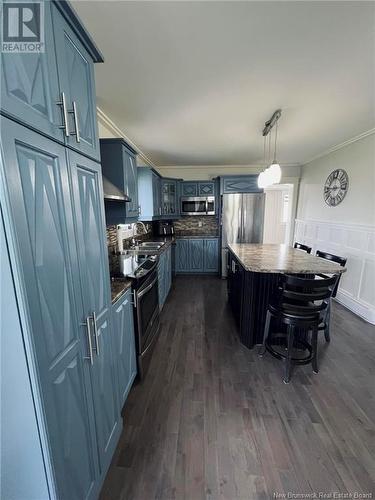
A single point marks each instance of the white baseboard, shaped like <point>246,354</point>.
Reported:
<point>367,313</point>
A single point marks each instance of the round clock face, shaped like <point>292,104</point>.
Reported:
<point>336,187</point>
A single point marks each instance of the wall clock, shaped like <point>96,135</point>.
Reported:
<point>336,187</point>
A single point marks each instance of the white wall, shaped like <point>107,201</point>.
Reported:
<point>358,207</point>
<point>348,229</point>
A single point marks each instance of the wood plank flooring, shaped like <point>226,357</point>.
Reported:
<point>212,420</point>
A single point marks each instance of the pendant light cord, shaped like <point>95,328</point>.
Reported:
<point>274,153</point>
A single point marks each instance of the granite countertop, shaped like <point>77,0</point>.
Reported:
<point>118,288</point>
<point>260,258</point>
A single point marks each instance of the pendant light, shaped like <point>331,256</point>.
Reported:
<point>272,174</point>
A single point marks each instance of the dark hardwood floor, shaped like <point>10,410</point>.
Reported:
<point>214,421</point>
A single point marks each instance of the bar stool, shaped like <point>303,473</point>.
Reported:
<point>299,303</point>
<point>300,246</point>
<point>325,324</point>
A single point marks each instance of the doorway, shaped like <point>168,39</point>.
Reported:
<point>278,214</point>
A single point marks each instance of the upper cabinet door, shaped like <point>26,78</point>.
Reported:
<point>94,275</point>
<point>189,189</point>
<point>206,188</point>
<point>240,184</point>
<point>29,86</point>
<point>76,76</point>
<point>131,184</point>
<point>39,194</point>
<point>156,191</point>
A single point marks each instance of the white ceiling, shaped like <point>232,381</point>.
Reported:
<point>192,83</point>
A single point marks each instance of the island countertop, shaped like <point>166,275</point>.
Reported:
<point>267,258</point>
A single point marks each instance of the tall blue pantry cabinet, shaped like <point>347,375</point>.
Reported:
<point>52,204</point>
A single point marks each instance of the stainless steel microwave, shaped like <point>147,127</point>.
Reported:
<point>198,205</point>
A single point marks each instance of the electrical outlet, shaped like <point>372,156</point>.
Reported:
<point>200,223</point>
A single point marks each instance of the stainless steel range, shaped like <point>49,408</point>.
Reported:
<point>142,270</point>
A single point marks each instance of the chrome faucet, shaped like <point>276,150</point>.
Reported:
<point>143,225</point>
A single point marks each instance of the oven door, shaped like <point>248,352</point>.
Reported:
<point>193,205</point>
<point>147,305</point>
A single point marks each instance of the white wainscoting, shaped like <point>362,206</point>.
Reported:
<point>357,244</point>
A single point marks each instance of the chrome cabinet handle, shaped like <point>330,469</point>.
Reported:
<point>89,342</point>
<point>65,125</point>
<point>74,112</point>
<point>96,334</point>
<point>206,206</point>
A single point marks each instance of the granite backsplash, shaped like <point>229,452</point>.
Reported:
<point>195,225</point>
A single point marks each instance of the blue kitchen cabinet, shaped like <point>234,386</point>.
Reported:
<point>182,263</point>
<point>30,87</point>
<point>169,203</point>
<point>196,254</point>
<point>164,275</point>
<point>75,68</point>
<point>124,345</point>
<point>131,182</point>
<point>239,184</point>
<point>161,279</point>
<point>211,255</point>
<point>169,269</point>
<point>53,201</point>
<point>149,194</point>
<point>94,274</point>
<point>189,188</point>
<point>41,214</point>
<point>156,192</point>
<point>206,188</point>
<point>53,92</point>
<point>119,166</point>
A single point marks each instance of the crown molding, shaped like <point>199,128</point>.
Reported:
<point>256,167</point>
<point>106,120</point>
<point>340,146</point>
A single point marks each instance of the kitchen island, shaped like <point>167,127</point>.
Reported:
<point>253,274</point>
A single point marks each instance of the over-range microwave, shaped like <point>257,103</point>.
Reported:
<point>198,205</point>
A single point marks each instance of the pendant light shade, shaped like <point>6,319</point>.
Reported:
<point>275,171</point>
<point>261,180</point>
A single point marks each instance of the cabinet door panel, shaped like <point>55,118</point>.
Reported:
<point>189,189</point>
<point>156,194</point>
<point>161,279</point>
<point>38,186</point>
<point>206,188</point>
<point>211,255</point>
<point>76,77</point>
<point>182,256</point>
<point>94,274</point>
<point>131,183</point>
<point>241,184</point>
<point>197,255</point>
<point>29,85</point>
<point>125,344</point>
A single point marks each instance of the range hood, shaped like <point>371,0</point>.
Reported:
<point>111,192</point>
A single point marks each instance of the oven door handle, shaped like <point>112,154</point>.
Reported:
<point>139,295</point>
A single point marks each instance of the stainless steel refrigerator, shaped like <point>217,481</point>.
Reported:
<point>241,221</point>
